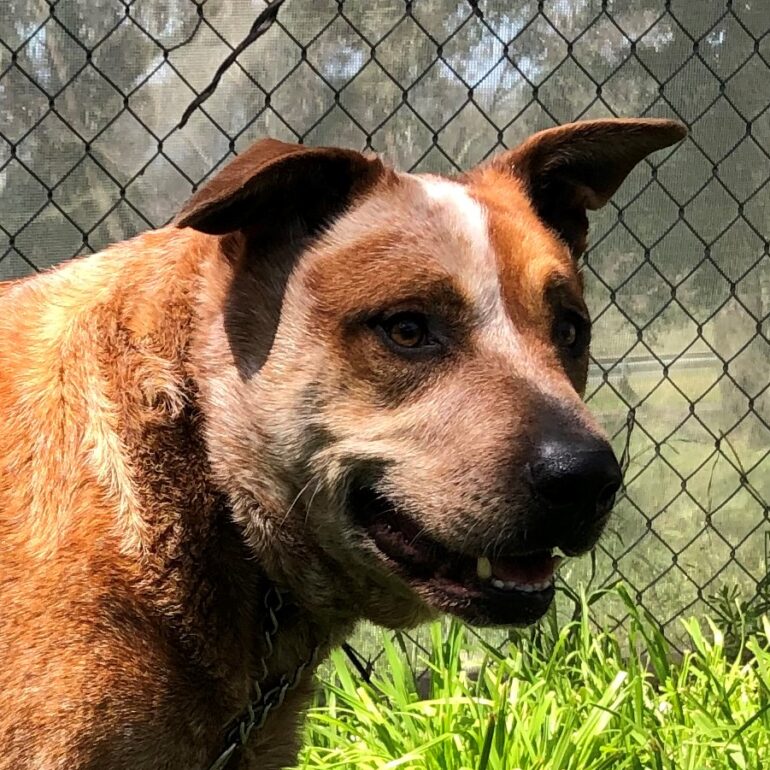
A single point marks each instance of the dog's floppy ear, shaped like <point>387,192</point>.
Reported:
<point>273,182</point>
<point>578,166</point>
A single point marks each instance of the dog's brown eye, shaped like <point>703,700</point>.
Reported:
<point>407,333</point>
<point>407,330</point>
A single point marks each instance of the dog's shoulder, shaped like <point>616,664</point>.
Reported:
<point>92,370</point>
<point>82,347</point>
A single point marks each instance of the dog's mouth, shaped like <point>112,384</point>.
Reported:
<point>505,590</point>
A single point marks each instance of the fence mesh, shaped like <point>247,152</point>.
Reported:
<point>91,96</point>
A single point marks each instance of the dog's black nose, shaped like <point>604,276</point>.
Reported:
<point>580,475</point>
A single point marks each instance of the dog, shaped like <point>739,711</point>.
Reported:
<point>328,391</point>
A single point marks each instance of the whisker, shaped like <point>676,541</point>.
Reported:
<point>295,500</point>
<point>312,498</point>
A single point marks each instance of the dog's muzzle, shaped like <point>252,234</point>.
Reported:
<point>572,484</point>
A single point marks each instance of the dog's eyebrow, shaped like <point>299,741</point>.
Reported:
<point>563,287</point>
<point>419,293</point>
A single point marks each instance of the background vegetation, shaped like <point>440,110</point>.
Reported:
<point>557,698</point>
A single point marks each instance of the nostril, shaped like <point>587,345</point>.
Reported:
<point>606,498</point>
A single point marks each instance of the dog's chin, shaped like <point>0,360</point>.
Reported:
<point>514,590</point>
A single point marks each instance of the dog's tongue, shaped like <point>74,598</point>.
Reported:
<point>534,568</point>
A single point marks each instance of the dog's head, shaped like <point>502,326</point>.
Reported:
<point>393,368</point>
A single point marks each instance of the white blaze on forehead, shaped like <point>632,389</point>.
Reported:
<point>471,258</point>
<point>467,219</point>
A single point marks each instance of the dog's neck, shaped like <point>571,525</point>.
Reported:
<point>206,585</point>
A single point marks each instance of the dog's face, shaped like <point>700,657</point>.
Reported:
<point>394,383</point>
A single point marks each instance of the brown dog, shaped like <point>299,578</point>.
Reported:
<point>330,391</point>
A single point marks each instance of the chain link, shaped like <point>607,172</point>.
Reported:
<point>261,704</point>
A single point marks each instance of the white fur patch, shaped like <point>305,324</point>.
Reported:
<point>475,266</point>
<point>469,219</point>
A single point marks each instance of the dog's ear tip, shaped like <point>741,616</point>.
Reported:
<point>678,130</point>
<point>676,126</point>
<point>578,166</point>
<point>182,221</point>
<point>668,129</point>
<point>195,220</point>
<point>190,215</point>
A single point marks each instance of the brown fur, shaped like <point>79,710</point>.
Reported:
<point>180,416</point>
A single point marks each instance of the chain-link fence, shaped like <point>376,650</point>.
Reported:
<point>92,93</point>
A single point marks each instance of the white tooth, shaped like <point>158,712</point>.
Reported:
<point>484,568</point>
<point>527,588</point>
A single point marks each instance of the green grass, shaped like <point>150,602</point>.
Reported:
<point>570,698</point>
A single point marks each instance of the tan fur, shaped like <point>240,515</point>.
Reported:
<point>181,416</point>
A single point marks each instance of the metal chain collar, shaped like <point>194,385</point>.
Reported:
<point>262,703</point>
